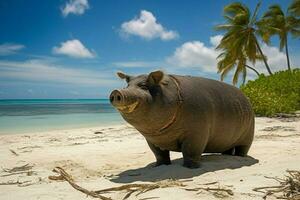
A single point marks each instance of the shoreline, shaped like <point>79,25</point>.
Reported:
<point>84,127</point>
<point>118,155</point>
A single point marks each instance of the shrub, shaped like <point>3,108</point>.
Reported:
<point>277,93</point>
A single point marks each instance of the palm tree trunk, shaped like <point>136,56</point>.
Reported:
<point>287,53</point>
<point>253,69</point>
<point>263,56</point>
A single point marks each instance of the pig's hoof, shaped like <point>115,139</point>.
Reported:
<point>162,162</point>
<point>191,164</point>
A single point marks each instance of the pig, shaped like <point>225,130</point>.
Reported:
<point>187,114</point>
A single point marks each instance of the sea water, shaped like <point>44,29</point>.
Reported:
<point>38,115</point>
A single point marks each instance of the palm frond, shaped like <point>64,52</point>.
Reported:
<point>294,8</point>
<point>295,33</point>
<point>239,69</point>
<point>235,8</point>
<point>253,18</point>
<point>226,71</point>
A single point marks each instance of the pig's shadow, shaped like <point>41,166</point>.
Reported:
<point>209,163</point>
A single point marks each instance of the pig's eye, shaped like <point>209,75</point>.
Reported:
<point>143,86</point>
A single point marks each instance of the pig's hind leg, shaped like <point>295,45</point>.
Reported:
<point>242,150</point>
<point>244,146</point>
<point>192,148</point>
<point>230,152</point>
<point>162,156</point>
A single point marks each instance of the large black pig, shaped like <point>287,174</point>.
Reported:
<point>188,114</point>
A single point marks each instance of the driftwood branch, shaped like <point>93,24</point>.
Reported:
<point>138,189</point>
<point>128,188</point>
<point>63,175</point>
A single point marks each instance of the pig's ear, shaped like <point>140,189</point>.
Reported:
<point>123,76</point>
<point>155,77</point>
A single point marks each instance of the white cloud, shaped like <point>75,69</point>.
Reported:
<point>276,60</point>
<point>10,48</point>
<point>43,72</point>
<point>73,48</point>
<point>196,55</point>
<point>147,27</point>
<point>215,40</point>
<point>76,7</point>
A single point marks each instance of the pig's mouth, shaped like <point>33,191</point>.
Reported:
<point>128,108</point>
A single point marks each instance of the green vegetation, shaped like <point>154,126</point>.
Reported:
<point>277,93</point>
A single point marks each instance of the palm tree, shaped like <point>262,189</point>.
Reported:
<point>227,62</point>
<point>276,22</point>
<point>294,8</point>
<point>240,40</point>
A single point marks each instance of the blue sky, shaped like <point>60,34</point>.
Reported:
<point>73,48</point>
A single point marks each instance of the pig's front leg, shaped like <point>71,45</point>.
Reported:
<point>162,156</point>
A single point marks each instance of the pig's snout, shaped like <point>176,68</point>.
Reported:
<point>116,98</point>
<point>124,100</point>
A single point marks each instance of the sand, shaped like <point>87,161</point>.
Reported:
<point>119,155</point>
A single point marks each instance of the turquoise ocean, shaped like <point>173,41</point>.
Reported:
<point>39,115</point>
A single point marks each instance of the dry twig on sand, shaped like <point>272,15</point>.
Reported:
<point>148,198</point>
<point>21,183</point>
<point>216,191</point>
<point>14,182</point>
<point>24,169</point>
<point>18,169</point>
<point>128,188</point>
<point>13,152</point>
<point>288,188</point>
<point>28,173</point>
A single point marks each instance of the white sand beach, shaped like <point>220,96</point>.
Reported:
<point>102,157</point>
